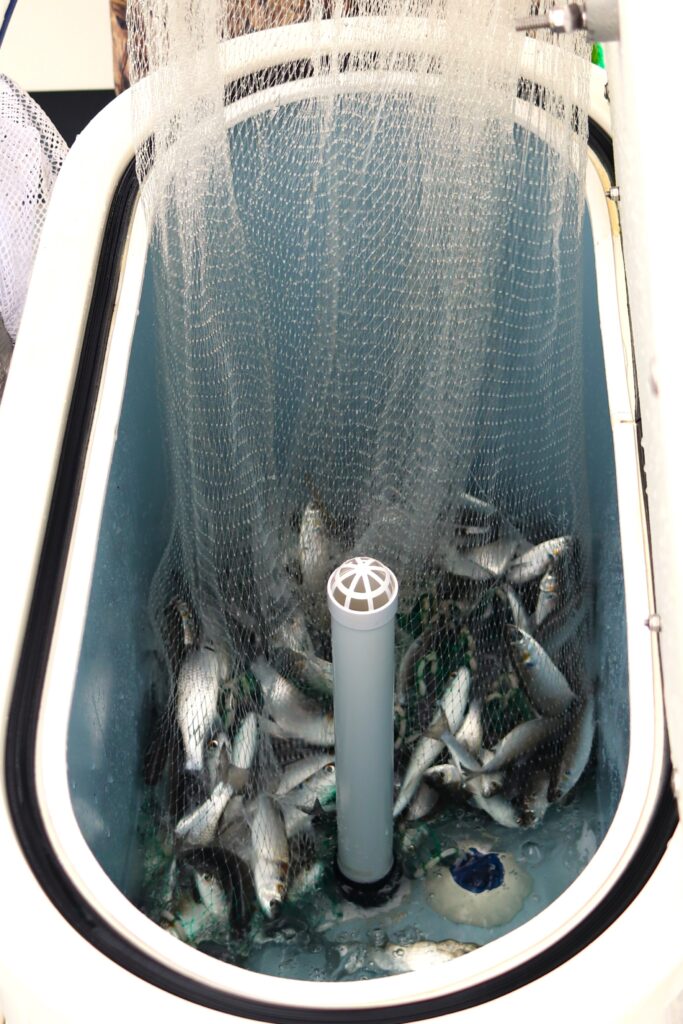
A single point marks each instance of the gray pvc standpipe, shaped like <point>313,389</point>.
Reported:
<point>363,662</point>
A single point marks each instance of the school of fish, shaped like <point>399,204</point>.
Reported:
<point>494,709</point>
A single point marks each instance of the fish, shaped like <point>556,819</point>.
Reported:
<point>217,760</point>
<point>314,549</point>
<point>245,742</point>
<point>270,855</point>
<point>545,685</point>
<point>496,556</point>
<point>200,826</point>
<point>423,802</point>
<point>201,675</point>
<point>306,881</point>
<point>453,704</point>
<point>520,743</point>
<point>244,747</point>
<point>554,633</point>
<point>294,819</point>
<point>400,959</point>
<point>299,771</point>
<point>315,672</point>
<point>548,598</point>
<point>211,890</point>
<point>472,504</point>
<point>535,562</point>
<point>471,732</point>
<point>517,609</point>
<point>426,751</point>
<point>292,715</point>
<point>535,801</point>
<point>577,750</point>
<point>463,759</point>
<point>447,776</point>
<point>293,634</point>
<point>409,662</point>
<point>454,561</point>
<point>497,807</point>
<point>190,921</point>
<point>320,788</point>
<point>490,783</point>
<point>188,623</point>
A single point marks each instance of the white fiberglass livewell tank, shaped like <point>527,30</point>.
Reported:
<point>93,507</point>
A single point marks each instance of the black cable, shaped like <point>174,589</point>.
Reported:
<point>6,20</point>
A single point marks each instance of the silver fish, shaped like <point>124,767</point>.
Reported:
<point>423,803</point>
<point>520,742</point>
<point>397,959</point>
<point>217,760</point>
<point>245,742</point>
<point>517,609</point>
<point>448,776</point>
<point>577,750</point>
<point>270,855</point>
<point>196,704</point>
<point>191,921</point>
<point>426,751</point>
<point>497,807</point>
<point>535,801</point>
<point>490,783</point>
<point>305,881</point>
<point>533,563</point>
<point>293,716</point>
<point>297,772</point>
<point>471,732</point>
<point>556,632</point>
<point>293,634</point>
<point>211,893</point>
<point>314,549</point>
<point>294,818</point>
<point>454,561</point>
<point>200,826</point>
<point>546,687</point>
<point>315,672</point>
<point>409,662</point>
<point>187,621</point>
<point>496,556</point>
<point>472,504</point>
<point>319,788</point>
<point>460,755</point>
<point>453,704</point>
<point>548,597</point>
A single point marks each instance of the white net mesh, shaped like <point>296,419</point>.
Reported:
<point>31,155</point>
<point>369,302</point>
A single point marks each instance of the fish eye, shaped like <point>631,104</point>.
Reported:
<point>329,768</point>
<point>212,744</point>
<point>207,876</point>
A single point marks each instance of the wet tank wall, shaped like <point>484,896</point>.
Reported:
<point>118,669</point>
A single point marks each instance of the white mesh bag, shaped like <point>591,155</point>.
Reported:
<point>31,154</point>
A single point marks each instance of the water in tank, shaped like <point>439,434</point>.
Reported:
<point>368,328</point>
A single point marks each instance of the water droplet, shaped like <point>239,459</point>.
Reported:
<point>399,951</point>
<point>532,853</point>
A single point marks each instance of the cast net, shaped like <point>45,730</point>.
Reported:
<point>368,230</point>
<point>31,155</point>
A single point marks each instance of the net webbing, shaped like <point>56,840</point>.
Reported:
<point>369,302</point>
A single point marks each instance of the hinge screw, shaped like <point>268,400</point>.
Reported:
<point>613,193</point>
<point>654,623</point>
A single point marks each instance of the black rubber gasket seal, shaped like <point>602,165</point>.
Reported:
<point>23,720</point>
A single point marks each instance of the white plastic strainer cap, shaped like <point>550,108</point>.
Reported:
<point>362,593</point>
